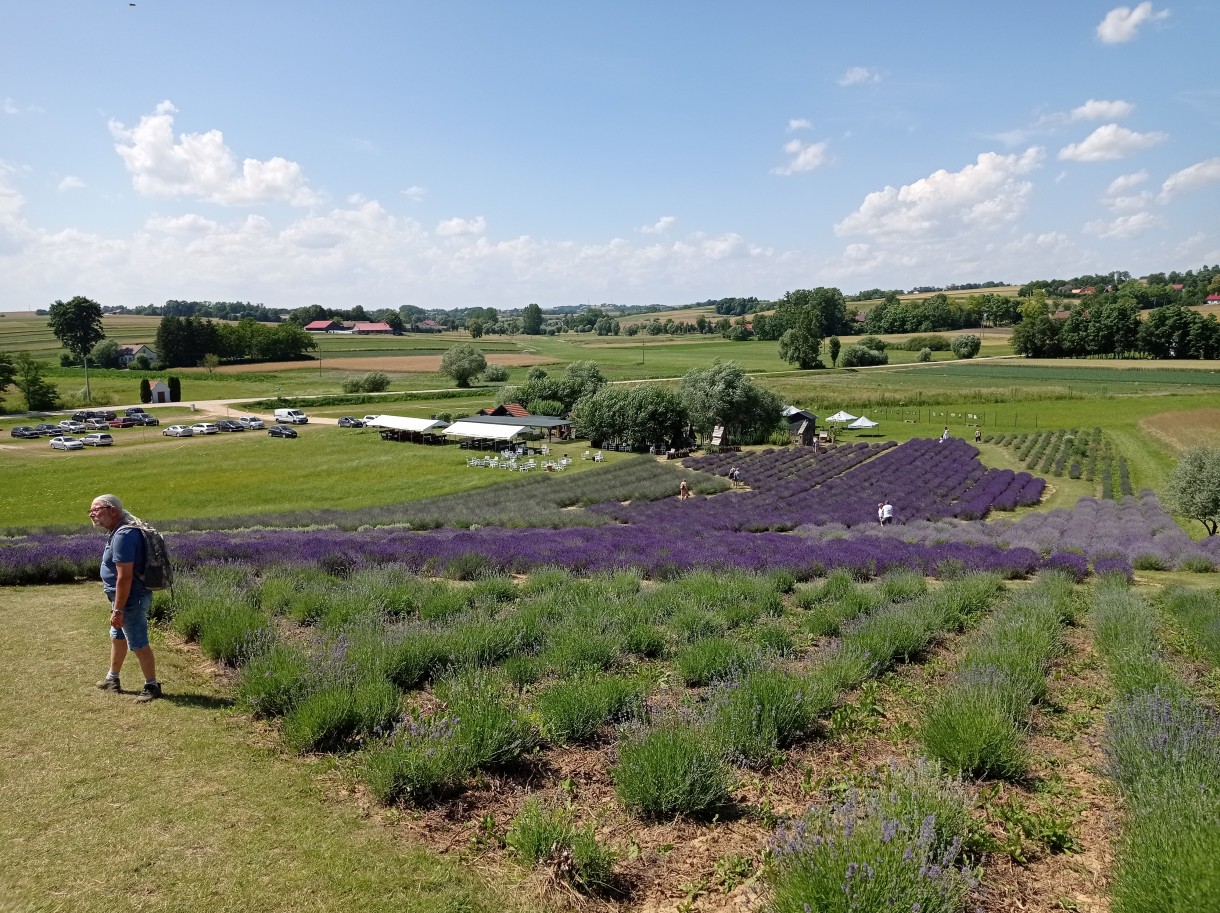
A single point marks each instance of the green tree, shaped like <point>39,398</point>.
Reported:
<point>835,347</point>
<point>1193,487</point>
<point>175,389</point>
<point>106,354</point>
<point>462,363</point>
<point>495,374</point>
<point>531,320</point>
<point>145,390</point>
<point>475,328</point>
<point>800,349</point>
<point>40,395</point>
<point>967,345</point>
<point>724,395</point>
<point>77,324</point>
<point>8,371</point>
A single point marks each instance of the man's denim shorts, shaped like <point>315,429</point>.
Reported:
<point>135,623</point>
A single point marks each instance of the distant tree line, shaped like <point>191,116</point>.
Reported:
<point>192,341</point>
<point>1115,329</point>
<point>1154,290</point>
<point>940,312</point>
<point>217,310</point>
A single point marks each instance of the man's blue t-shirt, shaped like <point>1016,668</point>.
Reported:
<point>126,544</point>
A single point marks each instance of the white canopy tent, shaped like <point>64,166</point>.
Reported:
<point>862,423</point>
<point>484,431</point>
<point>842,417</point>
<point>403,423</point>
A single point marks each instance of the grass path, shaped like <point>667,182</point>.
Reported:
<point>113,806</point>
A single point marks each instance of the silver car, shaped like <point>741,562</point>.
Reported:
<point>178,431</point>
<point>66,443</point>
<point>251,422</point>
<point>97,440</point>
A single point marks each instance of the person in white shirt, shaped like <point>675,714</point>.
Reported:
<point>887,513</point>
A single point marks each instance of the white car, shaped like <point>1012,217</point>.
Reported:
<point>204,428</point>
<point>251,422</point>
<point>178,431</point>
<point>97,440</point>
<point>66,443</point>
<point>71,426</point>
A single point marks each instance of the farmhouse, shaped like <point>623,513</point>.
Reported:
<point>367,328</point>
<point>515,410</point>
<point>323,326</point>
<point>128,354</point>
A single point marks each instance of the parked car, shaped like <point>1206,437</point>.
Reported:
<point>71,426</point>
<point>24,431</point>
<point>281,431</point>
<point>133,411</point>
<point>97,440</point>
<point>204,428</point>
<point>121,421</point>
<point>97,424</point>
<point>47,430</point>
<point>228,424</point>
<point>83,416</point>
<point>291,416</point>
<point>178,431</point>
<point>251,423</point>
<point>348,421</point>
<point>66,443</point>
<point>144,418</point>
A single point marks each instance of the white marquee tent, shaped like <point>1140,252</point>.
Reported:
<point>862,423</point>
<point>842,417</point>
<point>484,431</point>
<point>403,423</point>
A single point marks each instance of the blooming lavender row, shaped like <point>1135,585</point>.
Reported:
<point>926,480</point>
<point>1136,530</point>
<point>655,551</point>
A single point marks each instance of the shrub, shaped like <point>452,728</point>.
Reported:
<point>858,356</point>
<point>754,716</point>
<point>881,849</point>
<point>924,355</point>
<point>708,659</point>
<point>1197,564</point>
<point>421,759</point>
<point>574,709</point>
<point>274,681</point>
<point>966,345</point>
<point>372,382</point>
<point>490,730</point>
<point>674,769</point>
<point>934,343</point>
<point>495,374</point>
<point>336,715</point>
<point>541,835</point>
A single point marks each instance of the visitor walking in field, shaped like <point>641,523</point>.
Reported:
<point>945,435</point>
<point>123,562</point>
<point>887,512</point>
<point>683,491</point>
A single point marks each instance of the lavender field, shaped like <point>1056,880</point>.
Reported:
<point>797,511</point>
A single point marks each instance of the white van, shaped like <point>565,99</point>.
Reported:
<point>291,416</point>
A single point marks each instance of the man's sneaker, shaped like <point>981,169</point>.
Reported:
<point>152,691</point>
<point>109,684</point>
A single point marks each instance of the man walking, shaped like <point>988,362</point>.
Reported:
<point>122,565</point>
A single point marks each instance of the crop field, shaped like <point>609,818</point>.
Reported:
<point>745,715</point>
<point>579,686</point>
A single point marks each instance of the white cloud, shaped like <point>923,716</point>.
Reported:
<point>661,226</point>
<point>804,157</point>
<point>1119,197</point>
<point>415,193</point>
<point>1121,23</point>
<point>859,76</point>
<point>1126,182</point>
<point>1110,142</point>
<point>1096,109</point>
<point>799,123</point>
<point>71,182</point>
<point>200,166</point>
<point>1125,227</point>
<point>9,106</point>
<point>982,195</point>
<point>1198,175</point>
<point>456,227</point>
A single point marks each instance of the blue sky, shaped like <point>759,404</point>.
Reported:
<point>459,154</point>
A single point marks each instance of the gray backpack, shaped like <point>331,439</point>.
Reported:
<point>158,569</point>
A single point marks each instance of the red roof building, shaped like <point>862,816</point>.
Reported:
<point>364,327</point>
<point>323,326</point>
<point>515,410</point>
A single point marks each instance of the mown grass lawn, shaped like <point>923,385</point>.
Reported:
<point>178,805</point>
<point>227,474</point>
